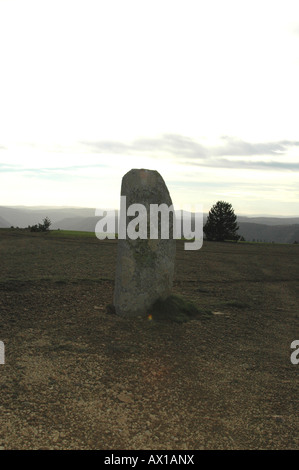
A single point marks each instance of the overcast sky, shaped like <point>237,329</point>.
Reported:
<point>205,92</point>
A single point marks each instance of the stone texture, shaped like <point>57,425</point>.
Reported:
<point>145,267</point>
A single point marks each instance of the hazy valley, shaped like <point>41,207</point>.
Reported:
<point>261,229</point>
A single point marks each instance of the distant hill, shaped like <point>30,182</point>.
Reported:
<point>269,220</point>
<point>4,223</point>
<point>84,224</point>
<point>268,229</point>
<point>269,233</point>
<point>24,216</point>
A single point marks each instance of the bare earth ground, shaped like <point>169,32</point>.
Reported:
<point>76,377</point>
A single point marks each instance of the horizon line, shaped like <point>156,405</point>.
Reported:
<point>41,207</point>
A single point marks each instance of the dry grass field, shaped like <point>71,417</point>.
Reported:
<point>76,377</point>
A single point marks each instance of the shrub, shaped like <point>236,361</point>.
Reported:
<point>44,227</point>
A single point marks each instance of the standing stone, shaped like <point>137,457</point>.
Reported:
<point>145,267</point>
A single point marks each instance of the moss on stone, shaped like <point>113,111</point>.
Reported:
<point>143,254</point>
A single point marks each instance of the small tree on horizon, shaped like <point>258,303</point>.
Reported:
<point>44,227</point>
<point>46,224</point>
<point>221,223</point>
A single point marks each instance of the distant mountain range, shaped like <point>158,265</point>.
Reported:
<point>263,229</point>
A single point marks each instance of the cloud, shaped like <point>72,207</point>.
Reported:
<point>6,167</point>
<point>45,172</point>
<point>166,143</point>
<point>190,152</point>
<point>249,165</point>
<point>237,147</point>
<point>107,146</point>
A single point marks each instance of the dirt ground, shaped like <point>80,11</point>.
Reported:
<point>76,377</point>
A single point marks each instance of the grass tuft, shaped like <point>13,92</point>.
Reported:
<point>176,309</point>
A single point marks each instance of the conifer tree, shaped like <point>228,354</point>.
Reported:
<point>221,223</point>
